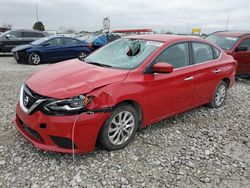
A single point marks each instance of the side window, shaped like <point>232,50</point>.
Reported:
<point>27,34</point>
<point>14,34</point>
<point>55,42</point>
<point>39,35</point>
<point>69,42</point>
<point>245,43</point>
<point>176,55</point>
<point>202,52</point>
<point>217,53</point>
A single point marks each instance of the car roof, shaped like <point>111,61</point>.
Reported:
<point>27,30</point>
<point>232,33</point>
<point>58,36</point>
<point>164,37</point>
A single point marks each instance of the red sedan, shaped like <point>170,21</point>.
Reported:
<point>237,44</point>
<point>126,85</point>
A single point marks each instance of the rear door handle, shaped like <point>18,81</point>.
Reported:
<point>216,71</point>
<point>189,78</point>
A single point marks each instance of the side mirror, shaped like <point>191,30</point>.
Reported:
<point>162,67</point>
<point>7,36</point>
<point>241,49</point>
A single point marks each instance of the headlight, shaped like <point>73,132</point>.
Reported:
<point>71,106</point>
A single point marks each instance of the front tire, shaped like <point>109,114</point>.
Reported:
<point>219,95</point>
<point>120,128</point>
<point>34,58</point>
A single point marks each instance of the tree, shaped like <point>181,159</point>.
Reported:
<point>5,25</point>
<point>39,26</point>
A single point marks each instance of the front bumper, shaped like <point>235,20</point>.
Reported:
<point>21,57</point>
<point>66,134</point>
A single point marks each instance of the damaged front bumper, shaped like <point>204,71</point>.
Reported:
<point>67,134</point>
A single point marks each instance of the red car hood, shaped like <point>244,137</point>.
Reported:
<point>72,78</point>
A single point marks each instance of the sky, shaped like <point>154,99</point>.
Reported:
<point>178,16</point>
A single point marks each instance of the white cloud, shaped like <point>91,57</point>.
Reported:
<point>156,14</point>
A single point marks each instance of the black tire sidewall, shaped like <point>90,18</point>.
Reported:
<point>104,139</point>
<point>80,54</point>
<point>212,103</point>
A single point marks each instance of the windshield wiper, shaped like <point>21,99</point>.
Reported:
<point>98,64</point>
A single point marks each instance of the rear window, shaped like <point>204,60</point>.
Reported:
<point>69,42</point>
<point>202,52</point>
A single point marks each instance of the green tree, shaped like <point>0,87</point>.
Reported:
<point>39,26</point>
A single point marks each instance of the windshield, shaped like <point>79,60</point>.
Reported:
<point>40,41</point>
<point>225,42</point>
<point>123,53</point>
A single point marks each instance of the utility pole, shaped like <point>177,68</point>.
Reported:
<point>37,12</point>
<point>187,28</point>
<point>228,17</point>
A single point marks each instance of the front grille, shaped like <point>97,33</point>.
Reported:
<point>34,94</point>
<point>28,100</point>
<point>30,131</point>
<point>20,56</point>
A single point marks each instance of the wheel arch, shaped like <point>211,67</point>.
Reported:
<point>227,80</point>
<point>35,51</point>
<point>137,107</point>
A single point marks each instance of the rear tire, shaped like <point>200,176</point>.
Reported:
<point>120,128</point>
<point>34,58</point>
<point>82,55</point>
<point>219,95</point>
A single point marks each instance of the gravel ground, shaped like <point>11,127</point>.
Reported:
<point>201,148</point>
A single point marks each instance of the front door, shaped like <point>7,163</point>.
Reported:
<point>11,40</point>
<point>170,93</point>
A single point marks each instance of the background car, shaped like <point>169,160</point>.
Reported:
<point>237,44</point>
<point>12,38</point>
<point>97,41</point>
<point>51,49</point>
<point>126,85</point>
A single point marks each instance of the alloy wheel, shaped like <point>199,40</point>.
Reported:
<point>220,95</point>
<point>121,128</point>
<point>35,59</point>
<point>82,55</point>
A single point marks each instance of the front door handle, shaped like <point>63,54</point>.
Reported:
<point>216,71</point>
<point>189,78</point>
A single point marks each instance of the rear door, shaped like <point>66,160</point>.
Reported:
<point>28,37</point>
<point>71,48</point>
<point>243,57</point>
<point>206,72</point>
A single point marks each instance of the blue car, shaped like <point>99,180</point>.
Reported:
<point>97,41</point>
<point>51,49</point>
